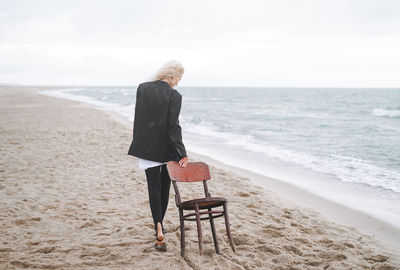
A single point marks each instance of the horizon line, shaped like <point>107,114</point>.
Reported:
<point>203,86</point>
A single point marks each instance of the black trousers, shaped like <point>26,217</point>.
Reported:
<point>158,183</point>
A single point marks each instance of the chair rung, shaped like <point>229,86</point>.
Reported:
<point>203,213</point>
<point>204,218</point>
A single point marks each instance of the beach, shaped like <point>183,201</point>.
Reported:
<point>71,198</point>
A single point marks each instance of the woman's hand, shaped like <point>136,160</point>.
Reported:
<point>183,162</point>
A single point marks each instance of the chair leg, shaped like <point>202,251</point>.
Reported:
<point>199,230</point>
<point>182,232</point>
<point>213,232</point>
<point>228,229</point>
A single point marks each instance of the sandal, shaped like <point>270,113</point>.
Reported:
<point>160,245</point>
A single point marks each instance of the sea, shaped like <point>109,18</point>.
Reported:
<point>342,144</point>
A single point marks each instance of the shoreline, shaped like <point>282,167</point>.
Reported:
<point>298,196</point>
<point>92,201</point>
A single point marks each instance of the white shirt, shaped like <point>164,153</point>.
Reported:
<point>145,164</point>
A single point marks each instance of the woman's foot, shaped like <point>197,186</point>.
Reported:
<point>160,244</point>
<point>160,233</point>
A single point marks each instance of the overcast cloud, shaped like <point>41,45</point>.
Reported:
<point>344,43</point>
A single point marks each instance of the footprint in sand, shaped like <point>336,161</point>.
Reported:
<point>250,205</point>
<point>32,243</point>
<point>314,263</point>
<point>6,250</point>
<point>377,258</point>
<point>265,248</point>
<point>241,239</point>
<point>243,194</point>
<point>350,245</point>
<point>272,233</point>
<point>87,224</point>
<point>46,250</point>
<point>293,249</point>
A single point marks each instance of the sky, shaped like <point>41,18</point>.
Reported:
<point>281,43</point>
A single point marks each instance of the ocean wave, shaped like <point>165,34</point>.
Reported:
<point>346,169</point>
<point>292,113</point>
<point>386,112</point>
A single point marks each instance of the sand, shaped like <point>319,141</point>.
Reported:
<point>71,198</point>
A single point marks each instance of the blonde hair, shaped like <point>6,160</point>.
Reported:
<point>170,69</point>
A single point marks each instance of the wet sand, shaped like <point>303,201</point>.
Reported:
<point>71,198</point>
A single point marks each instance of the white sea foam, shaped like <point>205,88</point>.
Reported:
<point>386,112</point>
<point>347,169</point>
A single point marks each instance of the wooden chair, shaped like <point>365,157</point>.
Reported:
<point>193,172</point>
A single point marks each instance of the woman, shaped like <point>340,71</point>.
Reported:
<point>157,138</point>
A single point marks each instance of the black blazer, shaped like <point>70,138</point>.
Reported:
<point>157,134</point>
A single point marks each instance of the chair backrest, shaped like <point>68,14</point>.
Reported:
<point>193,172</point>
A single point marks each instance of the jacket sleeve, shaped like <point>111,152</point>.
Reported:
<point>174,129</point>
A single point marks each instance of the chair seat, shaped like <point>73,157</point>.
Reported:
<point>204,203</point>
